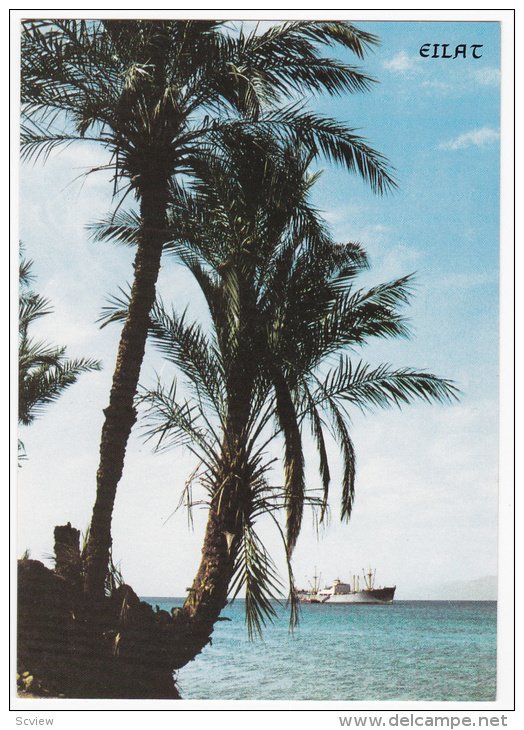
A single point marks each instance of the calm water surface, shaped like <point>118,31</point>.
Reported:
<point>409,650</point>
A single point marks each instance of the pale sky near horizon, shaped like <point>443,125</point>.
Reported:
<point>426,493</point>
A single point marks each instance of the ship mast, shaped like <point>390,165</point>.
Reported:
<point>369,579</point>
<point>315,587</point>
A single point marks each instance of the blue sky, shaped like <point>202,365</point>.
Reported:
<point>426,508</point>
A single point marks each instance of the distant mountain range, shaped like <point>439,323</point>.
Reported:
<point>479,589</point>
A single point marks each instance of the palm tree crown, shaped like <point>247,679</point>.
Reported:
<point>151,90</point>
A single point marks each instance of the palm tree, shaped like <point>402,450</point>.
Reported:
<point>284,313</point>
<point>44,372</point>
<point>152,93</point>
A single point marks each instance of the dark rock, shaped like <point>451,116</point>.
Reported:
<point>115,649</point>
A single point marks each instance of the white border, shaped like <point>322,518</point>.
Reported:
<point>243,711</point>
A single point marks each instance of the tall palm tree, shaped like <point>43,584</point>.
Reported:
<point>284,314</point>
<point>44,372</point>
<point>152,93</point>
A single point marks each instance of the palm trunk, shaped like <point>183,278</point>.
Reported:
<point>120,415</point>
<point>208,595</point>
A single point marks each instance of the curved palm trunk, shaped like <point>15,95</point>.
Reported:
<point>208,595</point>
<point>120,415</point>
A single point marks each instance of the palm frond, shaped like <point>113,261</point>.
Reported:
<point>255,572</point>
<point>44,372</point>
<point>171,424</point>
<point>318,434</point>
<point>121,227</point>
<point>186,346</point>
<point>25,277</point>
<point>31,307</point>
<point>322,137</point>
<point>383,386</point>
<point>37,143</point>
<point>292,602</point>
<point>340,144</point>
<point>293,458</point>
<point>341,433</point>
<point>45,382</point>
<point>116,308</point>
<point>346,34</point>
<point>353,317</point>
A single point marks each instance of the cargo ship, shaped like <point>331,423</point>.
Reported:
<point>352,592</point>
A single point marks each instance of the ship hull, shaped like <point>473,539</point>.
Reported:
<point>377,595</point>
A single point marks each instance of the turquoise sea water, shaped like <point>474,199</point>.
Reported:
<point>409,650</point>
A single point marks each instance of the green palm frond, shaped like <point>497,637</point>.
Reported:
<point>322,137</point>
<point>289,66</point>
<point>120,227</point>
<point>36,144</point>
<point>391,294</point>
<point>31,307</point>
<point>292,602</point>
<point>293,457</point>
<point>186,346</point>
<point>186,497</point>
<point>280,38</point>
<point>348,35</point>
<point>380,387</point>
<point>266,67</point>
<point>356,316</point>
<point>25,277</point>
<point>36,353</point>
<point>44,372</point>
<point>116,308</point>
<point>254,569</point>
<point>171,424</point>
<point>44,383</point>
<point>317,431</point>
<point>334,141</point>
<point>341,434</point>
<point>255,572</point>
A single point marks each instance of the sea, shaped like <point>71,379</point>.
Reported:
<point>407,650</point>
